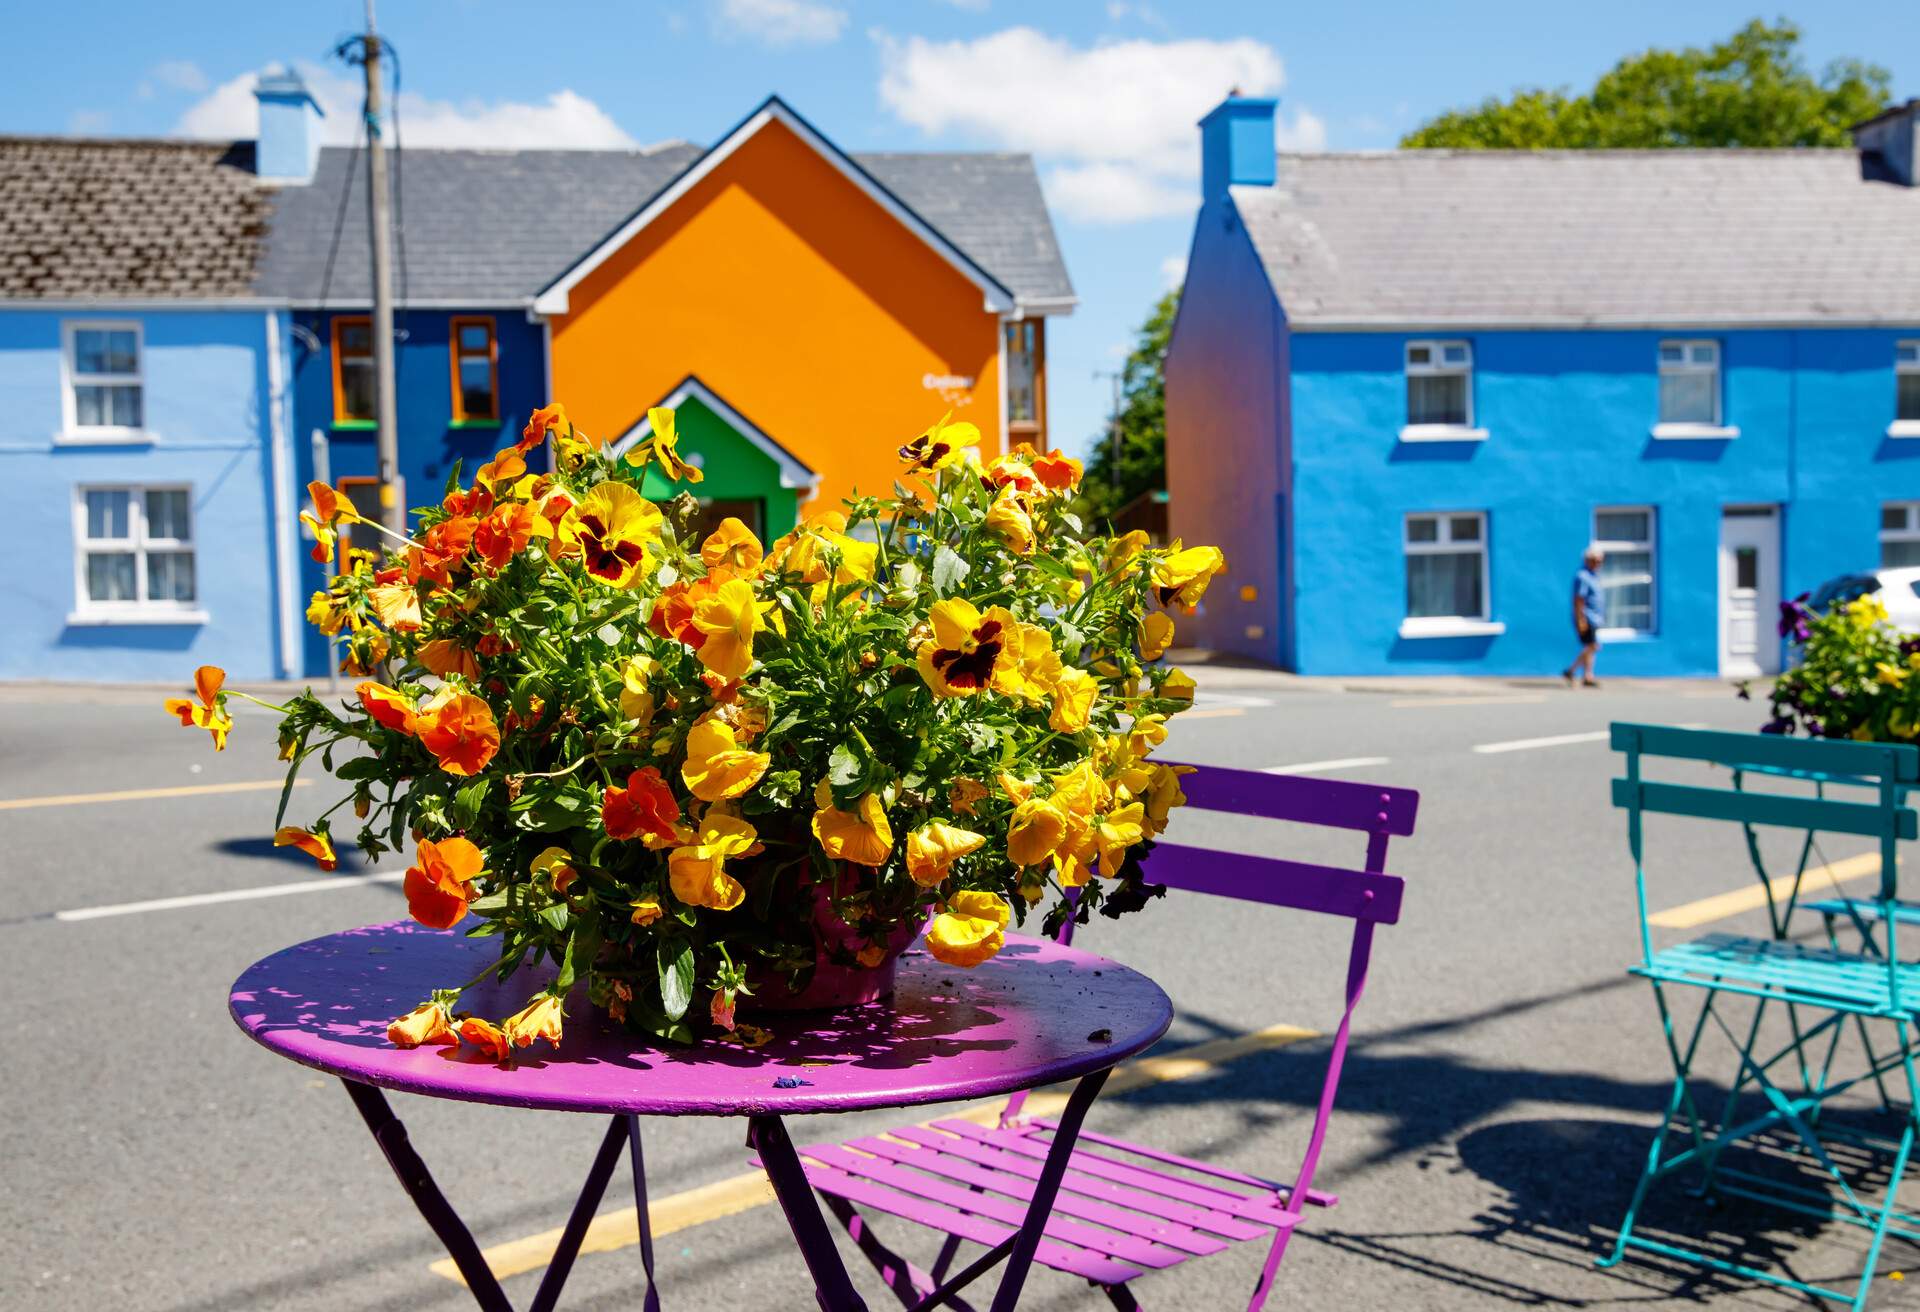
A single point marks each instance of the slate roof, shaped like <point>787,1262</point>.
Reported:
<point>1656,237</point>
<point>119,219</point>
<point>495,227</point>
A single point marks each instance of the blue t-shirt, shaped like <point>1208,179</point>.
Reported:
<point>1586,587</point>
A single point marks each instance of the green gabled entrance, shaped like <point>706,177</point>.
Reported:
<point>747,474</point>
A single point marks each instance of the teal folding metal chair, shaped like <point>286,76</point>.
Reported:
<point>1818,990</point>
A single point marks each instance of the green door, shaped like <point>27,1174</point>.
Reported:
<point>741,479</point>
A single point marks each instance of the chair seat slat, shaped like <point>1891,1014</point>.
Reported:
<point>1315,1196</point>
<point>1160,1229</point>
<point>1906,913</point>
<point>1815,974</point>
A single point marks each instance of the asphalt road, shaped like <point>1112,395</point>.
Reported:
<point>1497,1102</point>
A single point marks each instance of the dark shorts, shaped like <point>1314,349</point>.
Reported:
<point>1586,632</point>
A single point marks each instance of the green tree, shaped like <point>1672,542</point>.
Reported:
<point>1749,90</point>
<point>1142,462</point>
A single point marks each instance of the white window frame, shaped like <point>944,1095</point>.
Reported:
<point>1718,428</point>
<point>1450,626</point>
<point>1651,545</point>
<point>70,377</point>
<point>1906,361</point>
<point>141,610</point>
<point>1909,533</point>
<point>1436,366</point>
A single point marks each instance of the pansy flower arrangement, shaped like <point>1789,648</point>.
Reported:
<point>666,763</point>
<point>1856,675</point>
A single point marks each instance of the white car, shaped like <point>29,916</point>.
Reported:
<point>1898,590</point>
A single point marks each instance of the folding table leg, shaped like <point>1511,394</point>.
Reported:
<point>833,1290</point>
<point>641,1215</point>
<point>391,1135</point>
<point>1045,1190</point>
<point>561,1264</point>
<point>908,1282</point>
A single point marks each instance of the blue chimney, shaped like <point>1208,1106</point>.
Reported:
<point>289,144</point>
<point>1236,145</point>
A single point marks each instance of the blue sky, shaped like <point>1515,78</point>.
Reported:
<point>1103,92</point>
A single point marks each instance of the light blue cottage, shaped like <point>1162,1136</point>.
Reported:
<point>1406,389</point>
<point>144,415</point>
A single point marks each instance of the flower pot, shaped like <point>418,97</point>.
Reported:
<point>837,980</point>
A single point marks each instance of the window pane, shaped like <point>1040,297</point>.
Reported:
<point>476,387</point>
<point>1419,355</point>
<point>1621,526</point>
<point>1454,354</point>
<point>1907,353</point>
<point>1896,554</point>
<point>1907,404</point>
<point>1464,528</point>
<point>474,337</point>
<point>168,515</point>
<point>170,576</point>
<point>1021,403</point>
<point>1673,355</point>
<point>1687,398</point>
<point>110,576</point>
<point>1444,584</point>
<point>1627,588</point>
<point>127,409</point>
<point>1893,516</point>
<point>105,351</point>
<point>1702,352</point>
<point>1436,399</point>
<point>356,339</point>
<point>356,389</point>
<point>1423,528</point>
<point>1746,567</point>
<point>107,515</point>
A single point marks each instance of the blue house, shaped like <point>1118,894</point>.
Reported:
<point>1406,389</point>
<point>145,415</point>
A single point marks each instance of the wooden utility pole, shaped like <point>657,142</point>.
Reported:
<point>393,502</point>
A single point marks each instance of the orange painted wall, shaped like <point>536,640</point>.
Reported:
<point>796,298</point>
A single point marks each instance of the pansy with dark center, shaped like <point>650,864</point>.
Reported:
<point>971,664</point>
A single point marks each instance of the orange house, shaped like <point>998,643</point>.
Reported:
<point>807,311</point>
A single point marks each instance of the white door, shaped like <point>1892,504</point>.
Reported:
<point>1749,591</point>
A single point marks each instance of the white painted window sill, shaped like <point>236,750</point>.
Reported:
<point>1451,627</point>
<point>1617,636</point>
<point>1904,428</point>
<point>1442,433</point>
<point>104,437</point>
<point>86,619</point>
<point>1694,432</point>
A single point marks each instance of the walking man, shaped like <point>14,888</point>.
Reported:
<point>1588,609</point>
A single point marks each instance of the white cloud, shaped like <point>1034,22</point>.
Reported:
<point>1174,269</point>
<point>781,22</point>
<point>176,75</point>
<point>564,121</point>
<point>1112,123</point>
<point>87,122</point>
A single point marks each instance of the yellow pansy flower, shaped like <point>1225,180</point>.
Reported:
<point>1008,519</point>
<point>614,528</point>
<point>1891,675</point>
<point>732,546</point>
<point>971,929</point>
<point>1073,697</point>
<point>1029,665</point>
<point>539,1019</point>
<point>941,445</point>
<point>934,847</point>
<point>1182,577</point>
<point>697,872</point>
<point>636,696</point>
<point>662,446</point>
<point>1148,732</point>
<point>717,767</point>
<point>861,835</point>
<point>1179,686</point>
<point>1035,832</point>
<point>966,645</point>
<point>556,864</point>
<point>646,910</point>
<point>730,616</point>
<point>1156,635</point>
<point>1117,831</point>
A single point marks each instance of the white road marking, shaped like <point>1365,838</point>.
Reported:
<point>1230,699</point>
<point>1556,740</point>
<point>1491,699</point>
<point>1315,767</point>
<point>230,895</point>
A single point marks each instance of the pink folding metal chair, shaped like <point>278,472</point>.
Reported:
<point>1124,1208</point>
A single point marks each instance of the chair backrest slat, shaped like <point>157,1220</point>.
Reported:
<point>1336,802</point>
<point>1865,761</point>
<point>1781,809</point>
<point>1358,894</point>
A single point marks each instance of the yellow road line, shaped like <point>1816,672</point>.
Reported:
<point>146,794</point>
<point>1721,905</point>
<point>744,1192</point>
<point>1212,712</point>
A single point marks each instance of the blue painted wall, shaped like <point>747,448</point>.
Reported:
<point>1569,416</point>
<point>206,398</point>
<point>430,442</point>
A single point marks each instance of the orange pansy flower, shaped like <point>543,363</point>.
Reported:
<point>210,713</point>
<point>539,1019</point>
<point>646,808</point>
<point>388,706</point>
<point>505,533</point>
<point>459,730</point>
<point>426,1023</point>
<point>439,882</point>
<point>552,417</point>
<point>488,1037</point>
<point>445,657</point>
<point>316,845</point>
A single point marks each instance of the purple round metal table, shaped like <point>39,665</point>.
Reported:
<point>1039,1013</point>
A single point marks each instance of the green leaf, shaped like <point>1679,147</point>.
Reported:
<point>556,917</point>
<point>286,789</point>
<point>467,803</point>
<point>491,904</point>
<point>360,767</point>
<point>676,976</point>
<point>845,768</point>
<point>948,570</point>
<point>581,950</point>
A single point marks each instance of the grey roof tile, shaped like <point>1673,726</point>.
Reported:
<point>124,218</point>
<point>495,227</point>
<point>1653,237</point>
